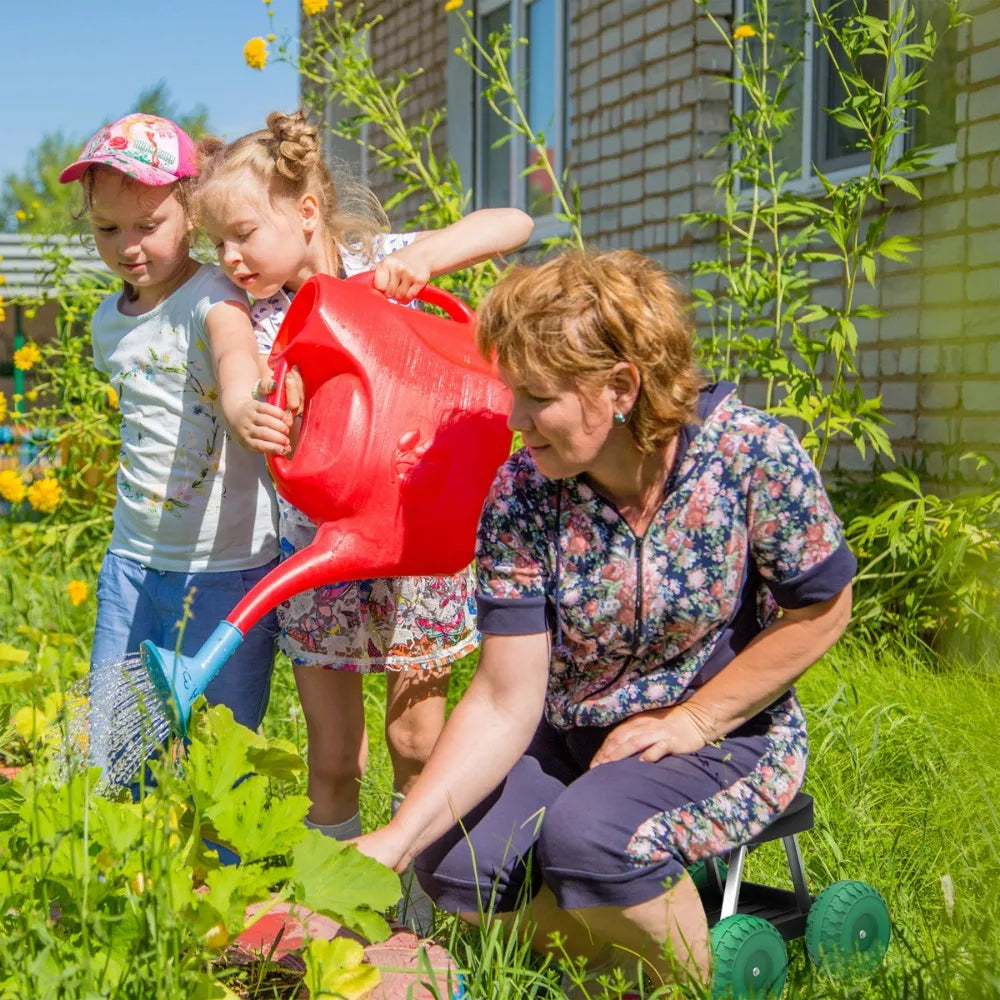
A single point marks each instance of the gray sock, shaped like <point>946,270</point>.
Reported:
<point>415,910</point>
<point>339,831</point>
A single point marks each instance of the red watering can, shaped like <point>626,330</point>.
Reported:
<point>403,430</point>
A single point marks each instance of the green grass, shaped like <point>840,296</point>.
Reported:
<point>904,768</point>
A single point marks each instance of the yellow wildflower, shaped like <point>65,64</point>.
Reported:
<point>3,314</point>
<point>20,215</point>
<point>77,591</point>
<point>45,494</point>
<point>112,397</point>
<point>313,7</point>
<point>271,38</point>
<point>453,5</point>
<point>27,357</point>
<point>12,487</point>
<point>3,407</point>
<point>3,280</point>
<point>31,395</point>
<point>30,313</point>
<point>255,53</point>
<point>744,31</point>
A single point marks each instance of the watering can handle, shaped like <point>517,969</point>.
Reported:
<point>430,294</point>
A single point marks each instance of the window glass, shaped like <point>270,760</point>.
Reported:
<point>937,127</point>
<point>540,105</point>
<point>835,145</point>
<point>494,159</point>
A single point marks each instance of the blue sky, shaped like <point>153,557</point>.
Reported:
<point>73,65</point>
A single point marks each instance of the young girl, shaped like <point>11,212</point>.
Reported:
<point>276,218</point>
<point>174,535</point>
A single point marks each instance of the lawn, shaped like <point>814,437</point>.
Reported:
<point>904,768</point>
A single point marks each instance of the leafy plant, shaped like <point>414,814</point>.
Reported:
<point>929,563</point>
<point>108,897</point>
<point>72,415</point>
<point>759,294</point>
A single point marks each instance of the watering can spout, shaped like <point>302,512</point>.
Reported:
<point>339,552</point>
<point>179,680</point>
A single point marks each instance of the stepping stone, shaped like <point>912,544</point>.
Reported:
<point>281,933</point>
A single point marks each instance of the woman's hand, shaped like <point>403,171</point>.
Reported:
<point>401,275</point>
<point>383,845</point>
<point>654,734</point>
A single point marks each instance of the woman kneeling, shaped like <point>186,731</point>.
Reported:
<point>657,566</point>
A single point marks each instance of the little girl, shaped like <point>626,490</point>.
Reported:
<point>276,217</point>
<point>195,512</point>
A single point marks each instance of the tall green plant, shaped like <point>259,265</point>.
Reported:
<point>72,415</point>
<point>333,58</point>
<point>764,316</point>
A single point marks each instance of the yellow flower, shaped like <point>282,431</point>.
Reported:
<point>255,53</point>
<point>20,215</point>
<point>3,407</point>
<point>27,357</point>
<point>112,397</point>
<point>313,7</point>
<point>45,494</point>
<point>271,38</point>
<point>453,5</point>
<point>744,31</point>
<point>3,280</point>
<point>3,314</point>
<point>11,486</point>
<point>77,591</point>
<point>31,395</point>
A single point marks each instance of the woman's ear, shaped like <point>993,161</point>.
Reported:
<point>624,383</point>
<point>309,213</point>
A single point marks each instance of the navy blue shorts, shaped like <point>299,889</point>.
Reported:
<point>619,834</point>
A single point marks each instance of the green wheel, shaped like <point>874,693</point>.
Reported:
<point>848,929</point>
<point>749,958</point>
<point>699,873</point>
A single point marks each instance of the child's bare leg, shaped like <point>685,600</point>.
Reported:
<point>338,743</point>
<point>414,718</point>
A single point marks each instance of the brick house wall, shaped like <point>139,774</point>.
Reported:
<point>646,110</point>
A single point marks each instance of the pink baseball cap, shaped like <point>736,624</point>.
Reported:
<point>153,150</point>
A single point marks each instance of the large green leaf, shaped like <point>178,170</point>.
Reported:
<point>336,969</point>
<point>338,880</point>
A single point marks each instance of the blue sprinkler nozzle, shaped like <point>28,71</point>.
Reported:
<point>180,679</point>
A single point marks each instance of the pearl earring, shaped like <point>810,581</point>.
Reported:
<point>619,418</point>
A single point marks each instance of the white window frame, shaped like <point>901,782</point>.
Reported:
<point>466,121</point>
<point>940,157</point>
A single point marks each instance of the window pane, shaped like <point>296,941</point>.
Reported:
<point>787,25</point>
<point>544,64</point>
<point>937,127</point>
<point>835,143</point>
<point>494,161</point>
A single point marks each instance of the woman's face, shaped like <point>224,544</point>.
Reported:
<point>564,427</point>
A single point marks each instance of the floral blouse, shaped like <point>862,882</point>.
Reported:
<point>745,526</point>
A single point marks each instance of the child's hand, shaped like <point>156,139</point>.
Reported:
<point>295,391</point>
<point>402,274</point>
<point>259,426</point>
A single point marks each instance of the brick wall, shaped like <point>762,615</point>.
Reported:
<point>647,110</point>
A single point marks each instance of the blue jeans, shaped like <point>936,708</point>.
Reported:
<point>135,603</point>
